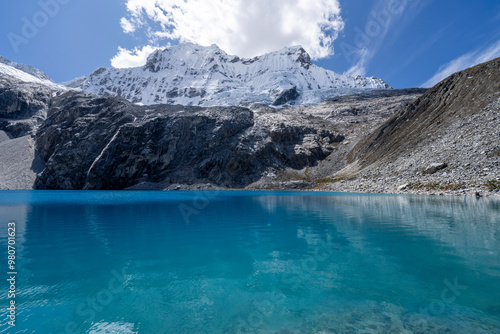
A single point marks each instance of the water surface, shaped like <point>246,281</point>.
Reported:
<point>252,262</point>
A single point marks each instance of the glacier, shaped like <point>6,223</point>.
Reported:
<point>189,74</point>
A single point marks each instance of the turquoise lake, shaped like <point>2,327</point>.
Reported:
<point>251,262</point>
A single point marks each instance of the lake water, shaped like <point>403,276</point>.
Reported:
<point>251,262</point>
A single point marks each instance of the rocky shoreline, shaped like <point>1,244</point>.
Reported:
<point>343,188</point>
<point>388,188</point>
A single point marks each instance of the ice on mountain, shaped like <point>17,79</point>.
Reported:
<point>190,74</point>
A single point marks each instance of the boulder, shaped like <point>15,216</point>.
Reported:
<point>403,187</point>
<point>434,167</point>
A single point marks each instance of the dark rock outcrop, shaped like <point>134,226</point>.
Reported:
<point>77,129</point>
<point>303,58</point>
<point>109,143</point>
<point>23,106</point>
<point>435,167</point>
<point>286,96</point>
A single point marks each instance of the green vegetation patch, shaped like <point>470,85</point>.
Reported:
<point>441,186</point>
<point>492,185</point>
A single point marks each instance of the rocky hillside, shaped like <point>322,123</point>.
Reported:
<point>190,74</point>
<point>446,141</point>
<point>23,107</point>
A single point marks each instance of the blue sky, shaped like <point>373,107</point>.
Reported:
<point>408,43</point>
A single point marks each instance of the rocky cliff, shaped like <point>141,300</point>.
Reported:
<point>23,105</point>
<point>109,143</point>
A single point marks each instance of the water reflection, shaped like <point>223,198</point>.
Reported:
<point>408,244</point>
<point>256,262</point>
<point>462,223</point>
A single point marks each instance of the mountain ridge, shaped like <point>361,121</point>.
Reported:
<point>28,74</point>
<point>190,74</point>
<point>384,141</point>
<point>26,68</point>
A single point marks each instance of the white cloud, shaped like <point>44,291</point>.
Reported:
<point>132,58</point>
<point>240,27</point>
<point>127,26</point>
<point>371,37</point>
<point>465,61</point>
<point>360,67</point>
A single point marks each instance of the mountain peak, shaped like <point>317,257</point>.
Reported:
<point>191,74</point>
<point>295,49</point>
<point>300,55</point>
<point>186,54</point>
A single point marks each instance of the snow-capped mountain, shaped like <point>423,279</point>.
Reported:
<point>27,73</point>
<point>75,83</point>
<point>189,74</point>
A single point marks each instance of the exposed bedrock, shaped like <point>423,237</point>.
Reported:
<point>108,143</point>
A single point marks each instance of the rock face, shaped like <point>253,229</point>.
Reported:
<point>190,74</point>
<point>23,105</point>
<point>353,116</point>
<point>286,96</point>
<point>109,143</point>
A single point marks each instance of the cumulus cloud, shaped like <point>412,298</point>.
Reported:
<point>465,61</point>
<point>240,27</point>
<point>132,58</point>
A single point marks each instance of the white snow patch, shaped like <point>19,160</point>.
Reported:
<point>26,77</point>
